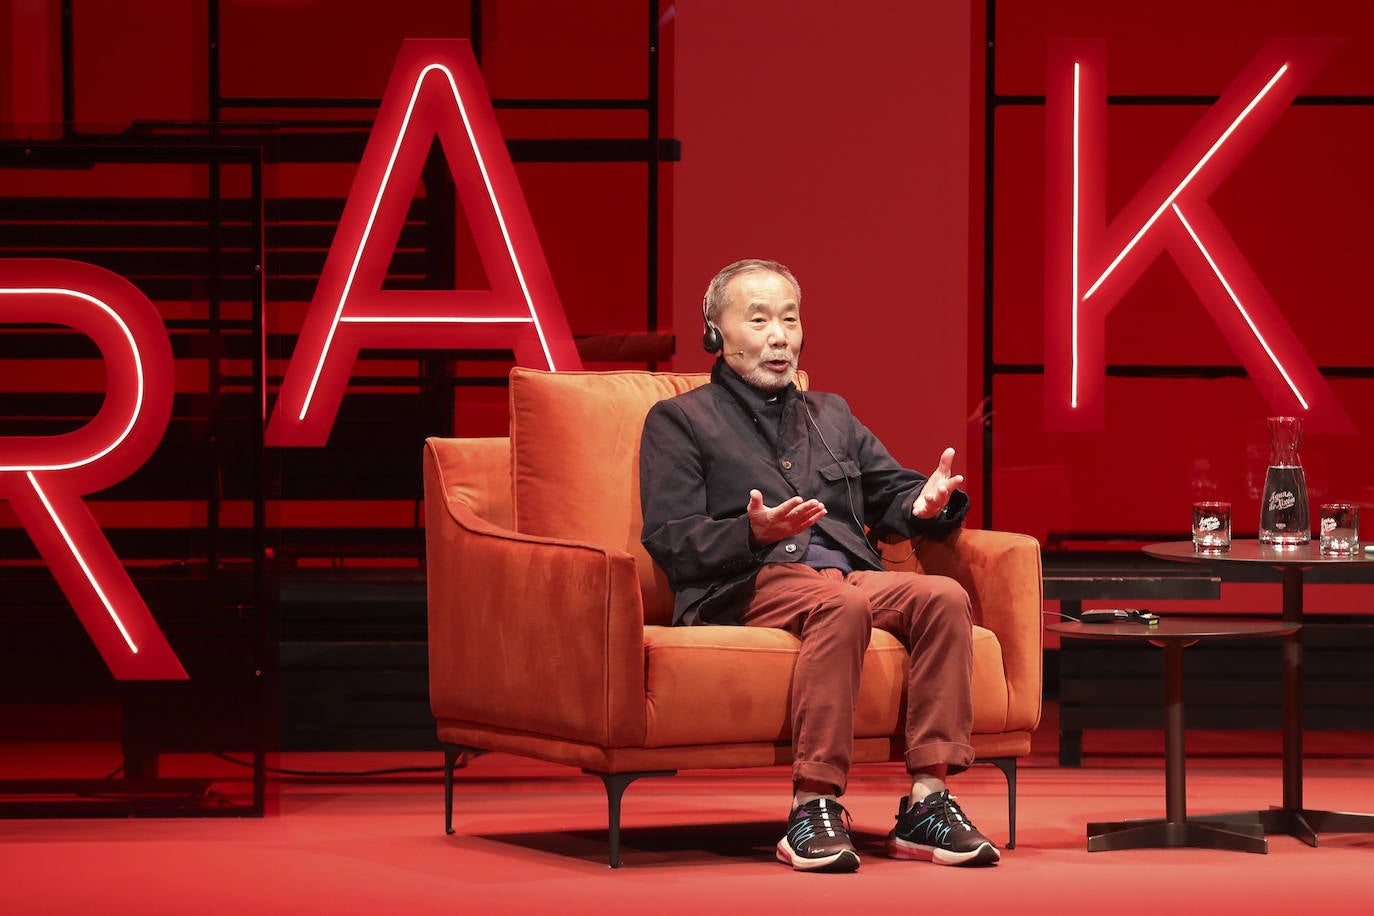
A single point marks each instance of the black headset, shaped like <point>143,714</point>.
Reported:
<point>711,341</point>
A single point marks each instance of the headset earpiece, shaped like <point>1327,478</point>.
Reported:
<point>711,340</point>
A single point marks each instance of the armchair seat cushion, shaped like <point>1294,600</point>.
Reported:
<point>731,685</point>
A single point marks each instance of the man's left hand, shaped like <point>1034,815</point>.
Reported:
<point>935,494</point>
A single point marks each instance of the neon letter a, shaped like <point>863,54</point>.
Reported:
<point>435,88</point>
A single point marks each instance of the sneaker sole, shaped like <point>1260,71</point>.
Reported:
<point>984,854</point>
<point>845,860</point>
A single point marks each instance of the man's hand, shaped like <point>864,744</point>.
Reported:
<point>938,488</point>
<point>792,516</point>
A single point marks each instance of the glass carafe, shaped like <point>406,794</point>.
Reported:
<point>1284,519</point>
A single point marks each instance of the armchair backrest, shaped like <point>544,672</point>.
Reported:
<point>575,461</point>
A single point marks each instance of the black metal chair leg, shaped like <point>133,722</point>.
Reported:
<point>451,755</point>
<point>454,755</point>
<point>1008,767</point>
<point>616,784</point>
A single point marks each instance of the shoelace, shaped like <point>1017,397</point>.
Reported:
<point>943,817</point>
<point>818,820</point>
<point>954,814</point>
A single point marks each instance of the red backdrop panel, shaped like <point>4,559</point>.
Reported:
<point>1294,208</point>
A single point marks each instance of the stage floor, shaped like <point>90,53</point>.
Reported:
<point>531,838</point>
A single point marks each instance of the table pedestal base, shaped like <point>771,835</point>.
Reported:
<point>1166,834</point>
<point>1303,823</point>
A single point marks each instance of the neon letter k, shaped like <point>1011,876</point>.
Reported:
<point>1090,264</point>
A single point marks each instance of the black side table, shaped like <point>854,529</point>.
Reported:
<point>1291,818</point>
<point>1175,829</point>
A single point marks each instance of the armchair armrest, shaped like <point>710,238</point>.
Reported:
<point>1001,572</point>
<point>530,633</point>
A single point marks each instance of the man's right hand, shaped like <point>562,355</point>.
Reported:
<point>793,516</point>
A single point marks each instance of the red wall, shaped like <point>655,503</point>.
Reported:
<point>834,137</point>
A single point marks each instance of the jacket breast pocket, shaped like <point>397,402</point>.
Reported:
<point>839,471</point>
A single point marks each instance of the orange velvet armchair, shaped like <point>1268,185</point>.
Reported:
<point>549,631</point>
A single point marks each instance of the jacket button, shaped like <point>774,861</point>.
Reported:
<point>786,465</point>
<point>791,548</point>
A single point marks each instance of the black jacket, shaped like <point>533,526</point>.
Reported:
<point>702,451</point>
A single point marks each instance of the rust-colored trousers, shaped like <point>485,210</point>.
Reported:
<point>832,614</point>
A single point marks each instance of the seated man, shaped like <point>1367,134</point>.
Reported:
<point>756,497</point>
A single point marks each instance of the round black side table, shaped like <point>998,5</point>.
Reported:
<point>1173,634</point>
<point>1291,817</point>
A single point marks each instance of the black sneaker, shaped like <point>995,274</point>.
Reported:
<point>936,830</point>
<point>817,838</point>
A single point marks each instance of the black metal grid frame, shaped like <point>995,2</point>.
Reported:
<point>140,791</point>
<point>218,142</point>
<point>651,150</point>
<point>342,140</point>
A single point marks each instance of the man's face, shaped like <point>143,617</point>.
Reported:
<point>762,329</point>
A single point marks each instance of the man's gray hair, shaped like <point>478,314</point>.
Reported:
<point>716,297</point>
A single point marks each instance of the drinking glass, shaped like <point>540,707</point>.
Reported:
<point>1211,527</point>
<point>1340,529</point>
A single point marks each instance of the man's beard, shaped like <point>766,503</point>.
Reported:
<point>765,379</point>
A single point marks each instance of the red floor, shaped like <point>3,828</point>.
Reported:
<point>531,839</point>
